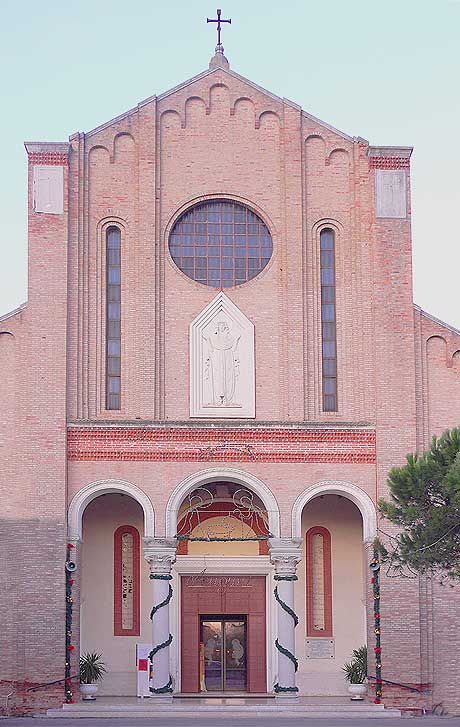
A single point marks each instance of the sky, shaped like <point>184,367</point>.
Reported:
<point>386,71</point>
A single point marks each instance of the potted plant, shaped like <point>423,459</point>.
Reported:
<point>356,673</point>
<point>92,668</point>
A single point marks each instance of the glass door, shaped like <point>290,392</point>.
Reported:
<point>235,656</point>
<point>212,676</point>
<point>223,654</point>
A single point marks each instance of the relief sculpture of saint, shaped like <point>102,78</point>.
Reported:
<point>222,364</point>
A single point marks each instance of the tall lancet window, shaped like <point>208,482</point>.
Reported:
<point>113,318</point>
<point>328,320</point>
<point>319,582</point>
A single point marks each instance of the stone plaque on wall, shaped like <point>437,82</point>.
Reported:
<point>222,362</point>
<point>48,189</point>
<point>319,648</point>
<point>390,192</point>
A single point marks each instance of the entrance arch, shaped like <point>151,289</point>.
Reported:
<point>222,474</point>
<point>219,586</point>
<point>335,487</point>
<point>105,487</point>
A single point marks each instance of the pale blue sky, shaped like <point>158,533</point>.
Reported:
<point>387,71</point>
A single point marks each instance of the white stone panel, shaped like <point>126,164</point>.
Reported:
<point>222,362</point>
<point>49,189</point>
<point>390,191</point>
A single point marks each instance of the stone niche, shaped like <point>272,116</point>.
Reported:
<point>222,362</point>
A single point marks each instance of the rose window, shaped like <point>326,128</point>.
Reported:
<point>220,243</point>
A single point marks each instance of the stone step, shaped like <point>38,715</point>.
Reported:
<point>225,712</point>
<point>348,711</point>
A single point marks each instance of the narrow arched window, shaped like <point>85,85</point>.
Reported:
<point>328,320</point>
<point>113,318</point>
<point>319,582</point>
<point>126,581</point>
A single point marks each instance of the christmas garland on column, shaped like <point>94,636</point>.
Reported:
<point>375,581</point>
<point>166,688</point>
<point>69,569</point>
<point>278,688</point>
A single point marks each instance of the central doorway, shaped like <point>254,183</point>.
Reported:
<point>223,652</point>
<point>226,613</point>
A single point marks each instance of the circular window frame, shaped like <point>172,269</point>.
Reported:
<point>219,197</point>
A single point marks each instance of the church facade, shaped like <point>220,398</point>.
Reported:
<point>218,363</point>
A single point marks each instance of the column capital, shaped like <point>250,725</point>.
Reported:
<point>160,553</point>
<point>285,553</point>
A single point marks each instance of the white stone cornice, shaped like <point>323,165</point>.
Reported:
<point>404,152</point>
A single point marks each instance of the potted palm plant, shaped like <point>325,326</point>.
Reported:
<point>92,669</point>
<point>356,673</point>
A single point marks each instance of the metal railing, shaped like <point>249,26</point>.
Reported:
<point>403,686</point>
<point>48,684</point>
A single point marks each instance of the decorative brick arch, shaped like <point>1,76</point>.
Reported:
<point>106,487</point>
<point>333,487</point>
<point>222,474</point>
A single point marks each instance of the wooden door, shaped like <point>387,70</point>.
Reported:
<point>221,596</point>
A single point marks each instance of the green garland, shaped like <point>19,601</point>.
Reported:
<point>162,603</point>
<point>167,688</point>
<point>68,625</point>
<point>160,577</point>
<point>287,608</point>
<point>221,540</point>
<point>158,647</point>
<point>375,581</point>
<point>287,653</point>
<point>285,578</point>
<point>278,689</point>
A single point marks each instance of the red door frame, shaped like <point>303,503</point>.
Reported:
<point>224,595</point>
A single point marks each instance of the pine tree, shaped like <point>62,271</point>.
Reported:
<point>425,504</point>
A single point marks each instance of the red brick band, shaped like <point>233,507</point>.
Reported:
<point>390,162</point>
<point>49,158</point>
<point>222,444</point>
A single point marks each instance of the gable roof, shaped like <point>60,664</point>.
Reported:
<point>204,74</point>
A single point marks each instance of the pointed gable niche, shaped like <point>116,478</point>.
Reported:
<point>222,362</point>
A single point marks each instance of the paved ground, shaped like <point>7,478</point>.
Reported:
<point>208,721</point>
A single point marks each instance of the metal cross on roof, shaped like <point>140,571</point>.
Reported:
<point>218,21</point>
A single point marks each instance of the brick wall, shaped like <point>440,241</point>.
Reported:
<point>34,480</point>
<point>398,372</point>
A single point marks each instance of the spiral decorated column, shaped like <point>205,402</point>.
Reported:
<point>285,553</point>
<point>160,554</point>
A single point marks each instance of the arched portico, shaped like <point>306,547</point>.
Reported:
<point>222,474</point>
<point>335,487</point>
<point>104,487</point>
